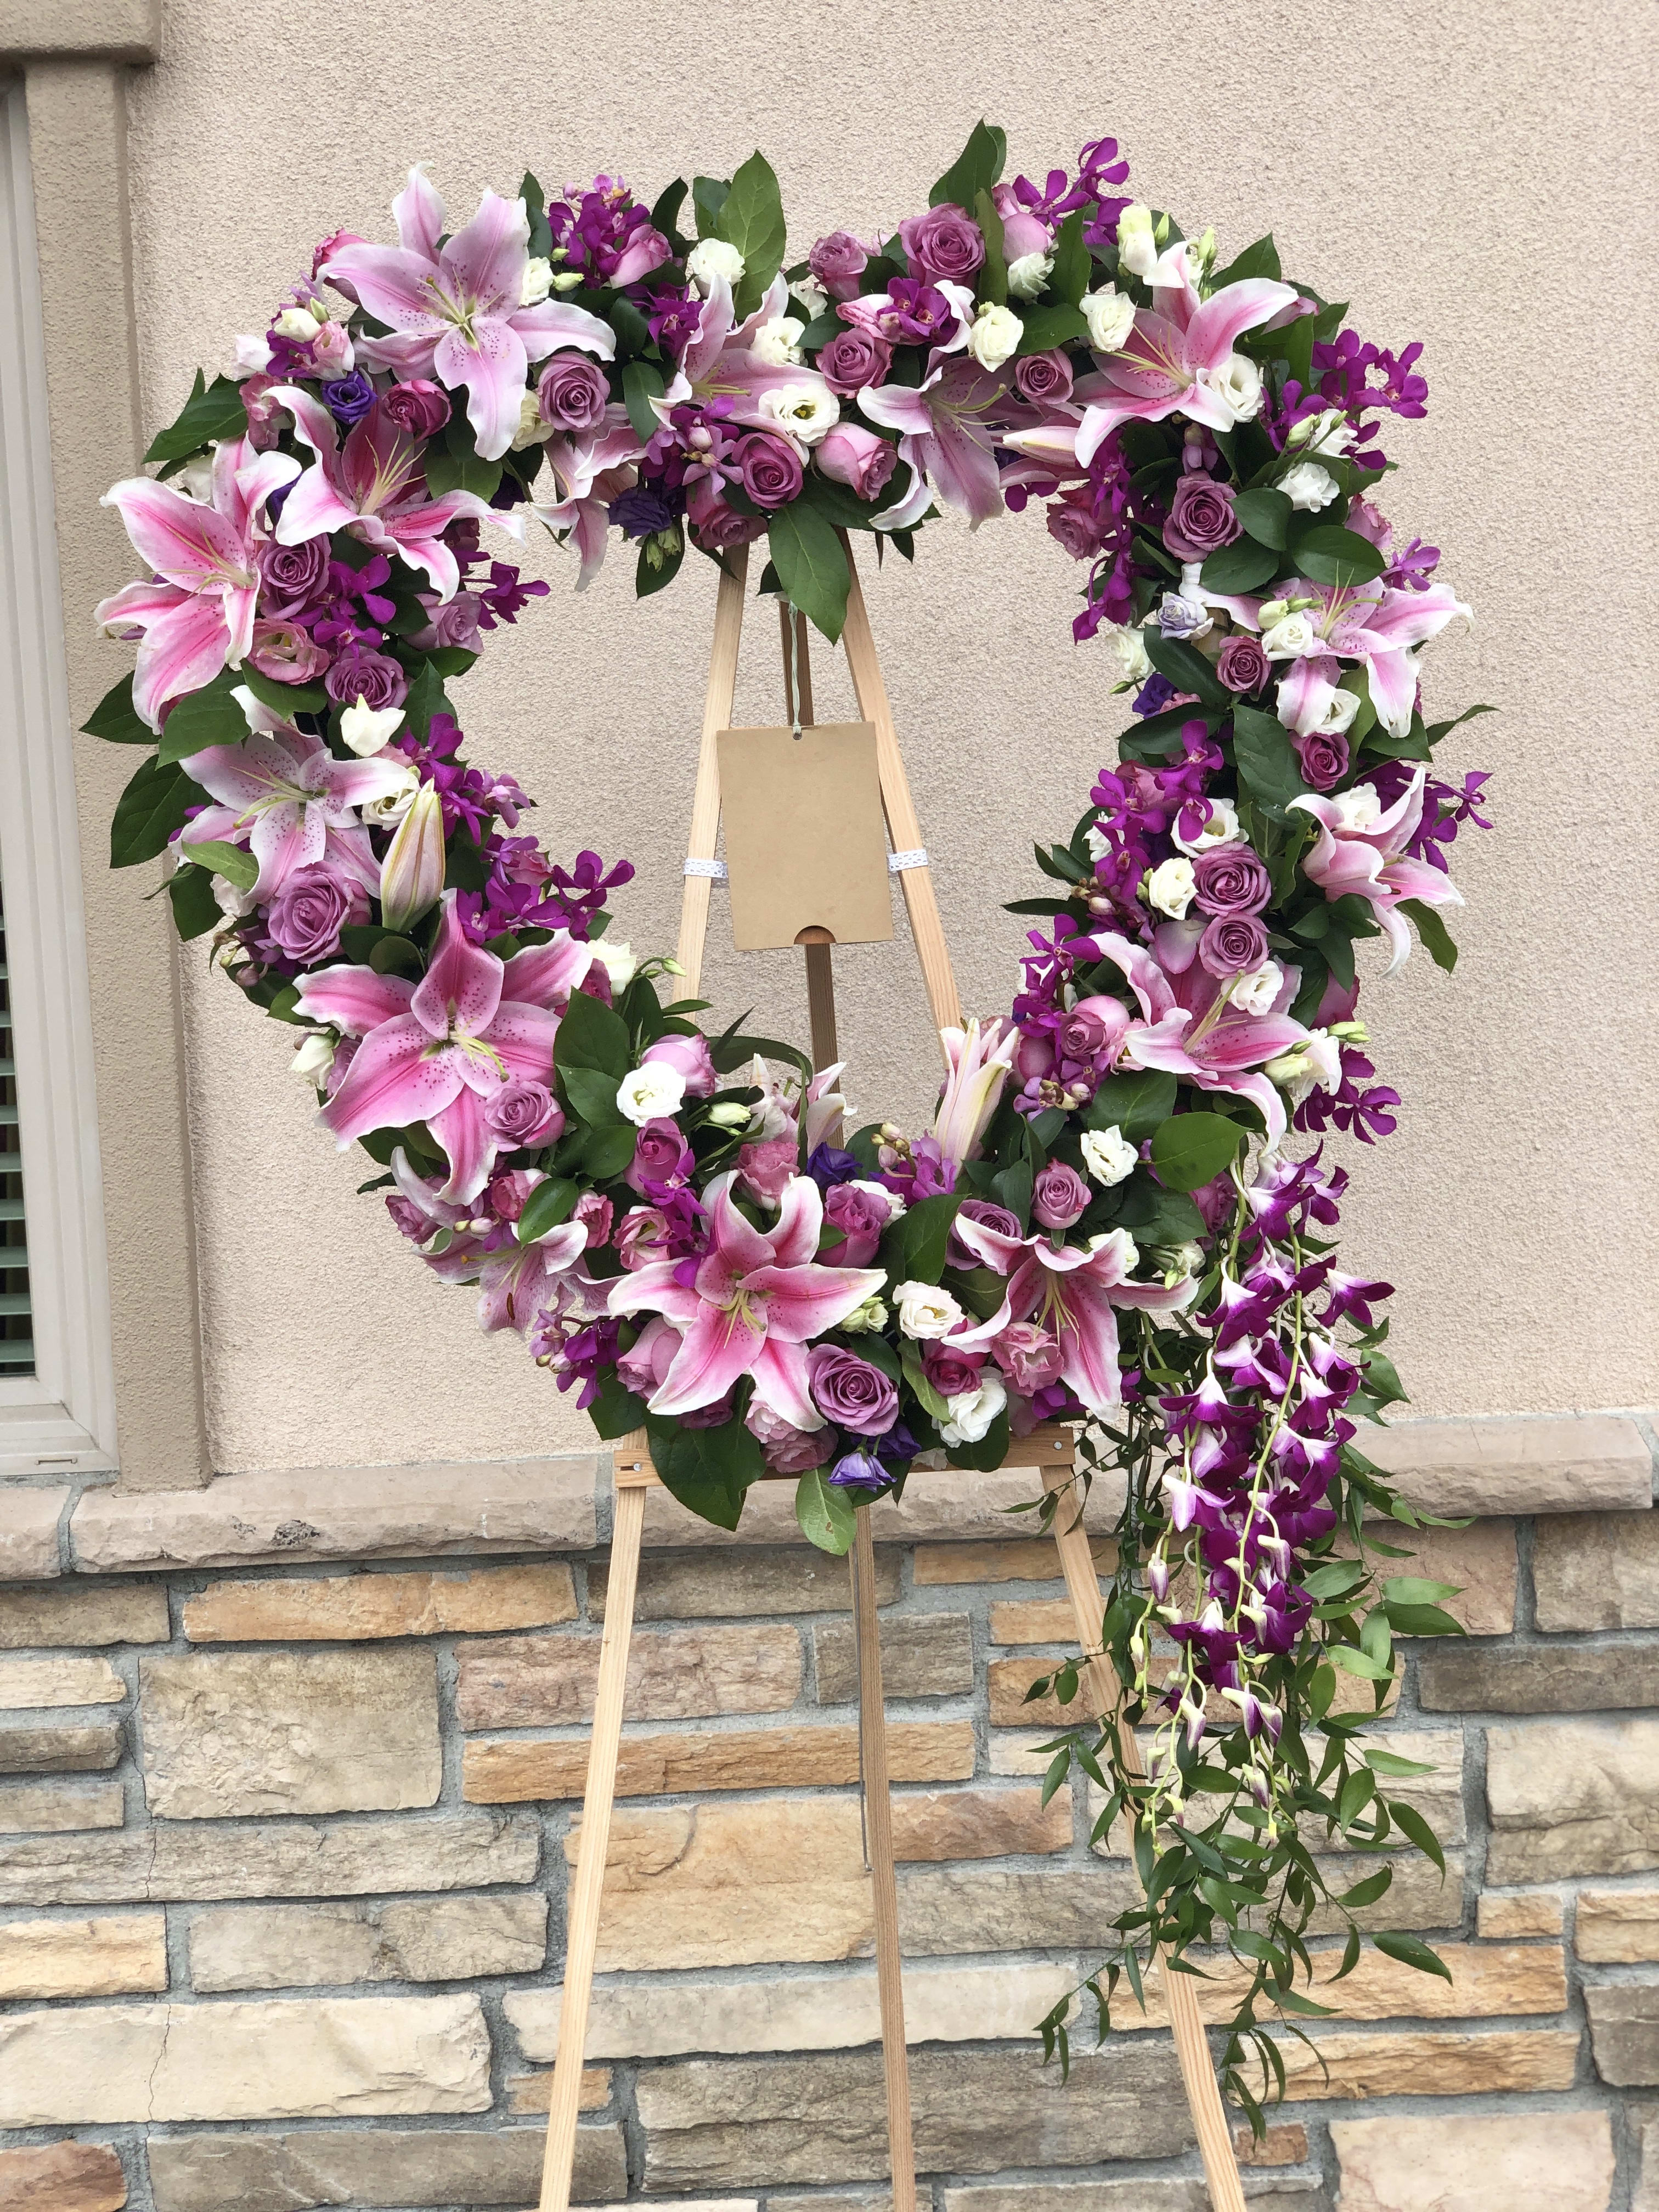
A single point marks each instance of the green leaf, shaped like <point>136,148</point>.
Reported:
<point>993,273</point>
<point>1412,1951</point>
<point>547,1206</point>
<point>287,700</point>
<point>1368,1891</point>
<point>208,717</point>
<point>1417,1589</point>
<point>1265,759</point>
<point>615,1411</point>
<point>1185,667</point>
<point>976,170</point>
<point>535,208</point>
<point>234,862</point>
<point>153,805</point>
<point>914,1249</point>
<point>1412,1825</point>
<point>1073,265</point>
<point>665,214</point>
<point>606,1152</point>
<point>751,219</point>
<point>1159,1217</point>
<point>1192,1148</point>
<point>1432,932</point>
<point>643,382</point>
<point>1354,1662</point>
<point>915,1374</point>
<point>1391,1763</point>
<point>1328,553</point>
<point>1423,1620</point>
<point>811,564</point>
<point>1046,326</point>
<point>1260,259</point>
<point>707,1469</point>
<point>1266,514</point>
<point>708,196</point>
<point>213,413</point>
<point>1134,1103</point>
<point>1241,567</point>
<point>592,1092</point>
<point>827,1514</point>
<point>190,894</point>
<point>426,697</point>
<point>451,471</point>
<point>591,1035</point>
<point>115,720</point>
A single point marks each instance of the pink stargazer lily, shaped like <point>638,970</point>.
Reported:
<point>718,362</point>
<point>947,436</point>
<point>1074,1293</point>
<point>515,1281</point>
<point>456,309</point>
<point>197,616</point>
<point>757,1300</point>
<point>1374,624</point>
<point>437,1051</point>
<point>1361,847</point>
<point>980,1061</point>
<point>283,793</point>
<point>589,472</point>
<point>371,486</point>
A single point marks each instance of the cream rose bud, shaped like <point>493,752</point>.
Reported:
<point>1108,1155</point>
<point>1169,888</point>
<point>1307,486</point>
<point>805,412</point>
<point>314,1060</point>
<point>617,961</point>
<point>925,1310</point>
<point>1255,993</point>
<point>1292,637</point>
<point>537,280</point>
<point>778,342</point>
<point>1236,384</point>
<point>731,1116</point>
<point>1110,316</point>
<point>1028,273</point>
<point>1137,249</point>
<point>1129,644</point>
<point>297,323</point>
<point>366,730</point>
<point>972,1413</point>
<point>1339,710</point>
<point>650,1092</point>
<point>711,257</point>
<point>386,811</point>
<point>1221,829</point>
<point>995,336</point>
<point>1357,809</point>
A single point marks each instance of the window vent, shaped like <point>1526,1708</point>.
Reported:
<point>17,1328</point>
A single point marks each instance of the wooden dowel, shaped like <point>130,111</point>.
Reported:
<point>582,1931</point>
<point>706,799</point>
<point>800,664</point>
<point>820,995</point>
<point>879,1819</point>
<point>1192,2048</point>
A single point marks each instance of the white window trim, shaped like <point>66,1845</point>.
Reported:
<point>64,1415</point>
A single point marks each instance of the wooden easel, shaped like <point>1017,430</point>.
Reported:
<point>1050,1450</point>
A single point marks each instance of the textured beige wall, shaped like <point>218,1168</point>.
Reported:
<point>1458,172</point>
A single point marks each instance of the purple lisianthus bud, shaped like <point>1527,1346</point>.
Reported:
<point>1230,879</point>
<point>838,261</point>
<point>857,458</point>
<point>641,512</point>
<point>944,242</point>
<point>1201,518</point>
<point>1045,378</point>
<point>1233,944</point>
<point>572,392</point>
<point>853,358</point>
<point>348,398</point>
<point>786,1449</point>
<point>1059,1197</point>
<point>1324,758</point>
<point>851,1392</point>
<point>860,1470</point>
<point>952,1372</point>
<point>304,920</point>
<point>524,1112</point>
<point>1242,665</point>
<point>996,1219</point>
<point>772,473</point>
<point>419,407</point>
<point>861,1212</point>
<point>373,678</point>
<point>291,577</point>
<point>688,1057</point>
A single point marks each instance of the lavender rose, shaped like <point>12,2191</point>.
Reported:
<point>660,1154</point>
<point>1201,518</point>
<point>786,1449</point>
<point>373,677</point>
<point>1027,1356</point>
<point>772,473</point>
<point>851,1392</point>
<point>1076,529</point>
<point>304,920</point>
<point>572,392</point>
<point>861,1212</point>
<point>418,407</point>
<point>1233,944</point>
<point>1060,1196</point>
<point>1230,879</point>
<point>996,1219</point>
<point>855,456</point>
<point>524,1112</point>
<point>853,358</point>
<point>944,242</point>
<point>1081,1035</point>
<point>453,622</point>
<point>1242,665</point>
<point>1045,378</point>
<point>1324,758</point>
<point>838,262</point>
<point>291,577</point>
<point>285,653</point>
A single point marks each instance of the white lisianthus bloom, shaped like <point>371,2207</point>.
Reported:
<point>1308,487</point>
<point>1221,829</point>
<point>1169,888</point>
<point>297,323</point>
<point>1137,249</point>
<point>252,354</point>
<point>531,431</point>
<point>925,1310</point>
<point>1126,641</point>
<point>537,280</point>
<point>1108,1155</point>
<point>1316,1064</point>
<point>995,336</point>
<point>365,730</point>
<point>1339,710</point>
<point>1127,1251</point>
<point>972,1413</point>
<point>811,295</point>
<point>778,342</point>
<point>1255,993</point>
<point>1292,637</point>
<point>647,1091</point>
<point>871,1316</point>
<point>1330,432</point>
<point>314,1059</point>
<point>1237,384</point>
<point>390,808</point>
<point>803,412</point>
<point>1110,316</point>
<point>1359,809</point>
<point>195,479</point>
<point>711,257</point>
<point>1178,616</point>
<point>617,961</point>
<point>1028,273</point>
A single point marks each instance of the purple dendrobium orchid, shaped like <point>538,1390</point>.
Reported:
<point>439,1050</point>
<point>946,435</point>
<point>1361,847</point>
<point>457,309</point>
<point>197,616</point>
<point>757,1300</point>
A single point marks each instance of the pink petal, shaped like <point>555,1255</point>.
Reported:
<point>800,1217</point>
<point>355,999</point>
<point>395,1077</point>
<point>781,1382</point>
<point>989,1246</point>
<point>1305,691</point>
<point>461,1129</point>
<point>418,212</point>
<point>406,353</point>
<point>185,543</point>
<point>546,975</point>
<point>394,286</point>
<point>1245,1041</point>
<point>485,261</point>
<point>463,983</point>
<point>654,1288</point>
<point>283,838</point>
<point>897,407</point>
<point>1089,1343</point>
<point>378,462</point>
<point>523,1036</point>
<point>492,367</point>
<point>738,1245</point>
<point>1416,879</point>
<point>1218,325</point>
<point>184,647</point>
<point>557,323</point>
<point>1393,679</point>
<point>1101,419</point>
<point>718,1350</point>
<point>1146,978</point>
<point>802,1303</point>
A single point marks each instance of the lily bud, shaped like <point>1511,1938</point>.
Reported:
<point>412,872</point>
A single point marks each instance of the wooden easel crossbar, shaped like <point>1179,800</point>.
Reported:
<point>1050,1450</point>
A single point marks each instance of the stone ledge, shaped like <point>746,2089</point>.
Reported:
<point>29,1532</point>
<point>1523,1463</point>
<point>80,30</point>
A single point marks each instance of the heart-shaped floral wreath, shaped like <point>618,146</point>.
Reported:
<point>1101,1227</point>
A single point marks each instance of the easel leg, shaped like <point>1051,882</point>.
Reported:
<point>879,1815</point>
<point>706,799</point>
<point>582,1933</point>
<point>815,943</point>
<point>1203,2094</point>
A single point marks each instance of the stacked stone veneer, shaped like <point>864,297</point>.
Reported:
<point>290,1801</point>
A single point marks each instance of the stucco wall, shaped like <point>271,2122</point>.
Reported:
<point>1457,173</point>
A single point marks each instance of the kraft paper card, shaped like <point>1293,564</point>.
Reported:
<point>805,838</point>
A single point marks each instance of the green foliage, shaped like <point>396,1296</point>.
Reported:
<point>750,217</point>
<point>550,1203</point>
<point>212,411</point>
<point>827,1514</point>
<point>152,807</point>
<point>976,170</point>
<point>593,1036</point>
<point>115,718</point>
<point>1192,1149</point>
<point>204,718</point>
<point>811,565</point>
<point>1268,765</point>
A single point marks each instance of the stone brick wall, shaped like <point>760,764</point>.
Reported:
<point>291,1769</point>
